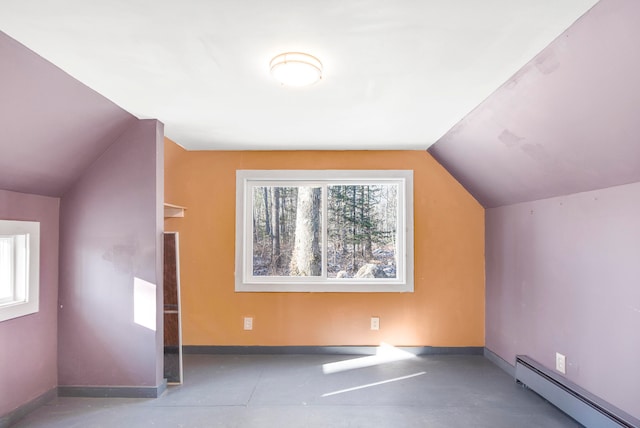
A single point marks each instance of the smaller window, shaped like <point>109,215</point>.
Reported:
<point>19,268</point>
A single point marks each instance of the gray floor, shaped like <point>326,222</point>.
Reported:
<point>293,391</point>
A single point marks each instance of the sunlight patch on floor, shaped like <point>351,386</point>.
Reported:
<point>385,353</point>
<point>369,385</point>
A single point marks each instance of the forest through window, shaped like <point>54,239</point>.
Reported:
<point>300,228</point>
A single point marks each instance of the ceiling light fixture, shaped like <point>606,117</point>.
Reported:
<point>296,69</point>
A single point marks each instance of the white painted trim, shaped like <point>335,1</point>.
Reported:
<point>31,302</point>
<point>404,282</point>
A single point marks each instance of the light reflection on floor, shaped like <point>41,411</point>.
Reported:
<point>369,385</point>
<point>385,353</point>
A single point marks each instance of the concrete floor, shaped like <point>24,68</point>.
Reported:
<point>309,391</point>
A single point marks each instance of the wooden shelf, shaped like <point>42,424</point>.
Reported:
<point>173,211</point>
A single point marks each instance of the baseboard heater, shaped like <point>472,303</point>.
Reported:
<point>578,403</point>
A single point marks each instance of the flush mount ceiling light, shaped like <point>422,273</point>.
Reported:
<point>296,69</point>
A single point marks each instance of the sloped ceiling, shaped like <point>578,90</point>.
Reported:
<point>397,74</point>
<point>52,127</point>
<point>567,122</point>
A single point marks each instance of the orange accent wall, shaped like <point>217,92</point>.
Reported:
<point>446,309</point>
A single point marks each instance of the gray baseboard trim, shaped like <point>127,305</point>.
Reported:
<point>19,413</point>
<point>498,361</point>
<point>113,391</point>
<point>326,350</point>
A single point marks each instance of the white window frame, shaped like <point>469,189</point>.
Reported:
<point>25,274</point>
<point>245,281</point>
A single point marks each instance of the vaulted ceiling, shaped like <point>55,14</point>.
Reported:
<point>567,122</point>
<point>524,99</point>
<point>52,127</point>
<point>397,74</point>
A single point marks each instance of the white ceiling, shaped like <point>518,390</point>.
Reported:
<point>397,74</point>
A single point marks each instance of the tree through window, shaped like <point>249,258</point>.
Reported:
<point>324,231</point>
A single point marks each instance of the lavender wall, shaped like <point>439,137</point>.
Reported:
<point>566,122</point>
<point>53,126</point>
<point>563,275</point>
<point>28,345</point>
<point>110,231</point>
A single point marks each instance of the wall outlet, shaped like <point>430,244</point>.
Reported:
<point>561,362</point>
<point>375,323</point>
<point>248,323</point>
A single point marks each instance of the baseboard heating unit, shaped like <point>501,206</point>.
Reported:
<point>578,403</point>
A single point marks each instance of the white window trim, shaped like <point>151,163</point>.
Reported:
<point>246,282</point>
<point>28,297</point>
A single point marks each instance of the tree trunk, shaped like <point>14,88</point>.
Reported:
<point>255,231</point>
<point>276,227</point>
<point>283,214</point>
<point>368,244</point>
<point>344,223</point>
<point>354,231</point>
<point>305,260</point>
<point>267,221</point>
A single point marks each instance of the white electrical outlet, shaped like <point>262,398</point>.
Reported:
<point>375,323</point>
<point>248,323</point>
<point>561,363</point>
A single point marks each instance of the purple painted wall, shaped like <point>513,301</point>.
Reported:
<point>28,345</point>
<point>53,127</point>
<point>110,234</point>
<point>563,275</point>
<point>567,122</point>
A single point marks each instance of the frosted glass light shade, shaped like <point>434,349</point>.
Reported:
<point>296,69</point>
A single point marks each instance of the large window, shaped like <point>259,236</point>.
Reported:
<point>19,268</point>
<point>331,231</point>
